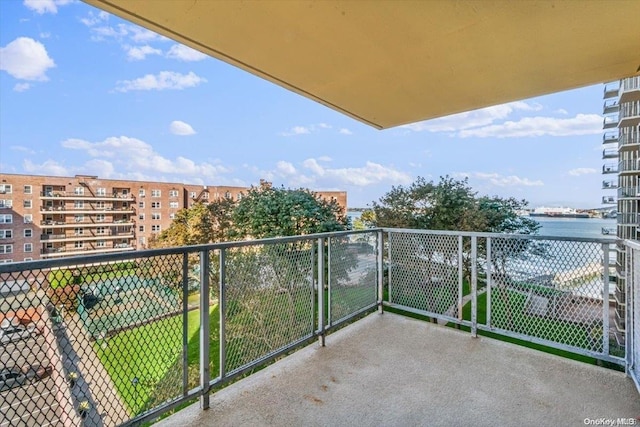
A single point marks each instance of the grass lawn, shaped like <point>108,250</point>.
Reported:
<point>152,354</point>
<point>61,278</point>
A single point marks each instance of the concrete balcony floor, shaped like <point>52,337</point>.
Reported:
<point>390,370</point>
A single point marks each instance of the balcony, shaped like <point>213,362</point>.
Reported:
<point>629,139</point>
<point>151,330</point>
<point>630,89</point>
<point>85,223</point>
<point>629,115</point>
<point>71,252</point>
<point>629,166</point>
<point>609,184</point>
<point>610,106</point>
<point>610,137</point>
<point>610,122</point>
<point>72,195</point>
<point>607,169</point>
<point>611,90</point>
<point>609,200</point>
<point>610,153</point>
<point>629,192</point>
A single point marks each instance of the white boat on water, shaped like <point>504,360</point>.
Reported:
<point>558,212</point>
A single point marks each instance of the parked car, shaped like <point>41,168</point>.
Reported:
<point>11,329</point>
<point>15,377</point>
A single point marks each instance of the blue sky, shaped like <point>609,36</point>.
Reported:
<point>82,91</point>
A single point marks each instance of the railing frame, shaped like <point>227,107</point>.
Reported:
<point>323,323</point>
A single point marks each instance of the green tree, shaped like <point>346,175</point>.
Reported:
<point>266,211</point>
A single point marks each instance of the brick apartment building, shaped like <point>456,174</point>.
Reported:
<point>44,217</point>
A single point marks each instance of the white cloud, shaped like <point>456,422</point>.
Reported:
<point>345,131</point>
<point>296,130</point>
<point>178,127</point>
<point>561,111</point>
<point>285,168</point>
<point>138,53</point>
<point>582,171</point>
<point>501,180</point>
<point>95,18</point>
<point>185,53</point>
<point>325,158</point>
<point>120,32</point>
<point>164,80</point>
<point>471,119</point>
<point>21,87</point>
<point>22,148</point>
<point>45,6</point>
<point>370,173</point>
<point>581,124</point>
<point>48,167</point>
<point>44,35</point>
<point>26,59</point>
<point>133,156</point>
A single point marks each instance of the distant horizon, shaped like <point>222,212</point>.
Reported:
<point>85,92</point>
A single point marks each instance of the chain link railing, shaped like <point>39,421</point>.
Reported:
<point>549,290</point>
<point>633,310</point>
<point>120,339</point>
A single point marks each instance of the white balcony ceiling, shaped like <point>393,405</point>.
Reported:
<point>397,62</point>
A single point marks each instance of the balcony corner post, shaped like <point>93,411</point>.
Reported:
<point>321,314</point>
<point>605,300</point>
<point>379,248</point>
<point>474,286</point>
<point>205,373</point>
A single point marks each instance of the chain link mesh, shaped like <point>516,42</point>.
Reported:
<point>549,289</point>
<point>91,344</point>
<point>268,299</point>
<point>423,272</point>
<point>352,274</point>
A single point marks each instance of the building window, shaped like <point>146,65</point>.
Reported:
<point>5,261</point>
<point>78,191</point>
<point>141,205</point>
<point>173,205</point>
<point>79,218</point>
<point>6,218</point>
<point>78,204</point>
<point>155,205</point>
<point>239,196</point>
<point>28,247</point>
<point>28,189</point>
<point>101,191</point>
<point>192,194</point>
<point>78,231</point>
<point>155,228</point>
<point>28,259</point>
<point>6,249</point>
<point>6,203</point>
<point>156,193</point>
<point>100,218</point>
<point>205,195</point>
<point>227,195</point>
<point>141,229</point>
<point>48,191</point>
<point>27,204</point>
<point>5,189</point>
<point>6,234</point>
<point>101,244</point>
<point>100,205</point>
<point>172,216</point>
<point>28,232</point>
<point>141,192</point>
<point>142,240</point>
<point>173,193</point>
<point>49,245</point>
<point>28,218</point>
<point>101,230</point>
<point>78,245</point>
<point>155,215</point>
<point>141,217</point>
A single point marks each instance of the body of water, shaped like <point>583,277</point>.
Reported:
<point>561,227</point>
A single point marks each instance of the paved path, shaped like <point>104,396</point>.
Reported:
<point>94,383</point>
<point>453,310</point>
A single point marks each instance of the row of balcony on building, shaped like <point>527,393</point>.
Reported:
<point>619,88</point>
<point>623,192</point>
